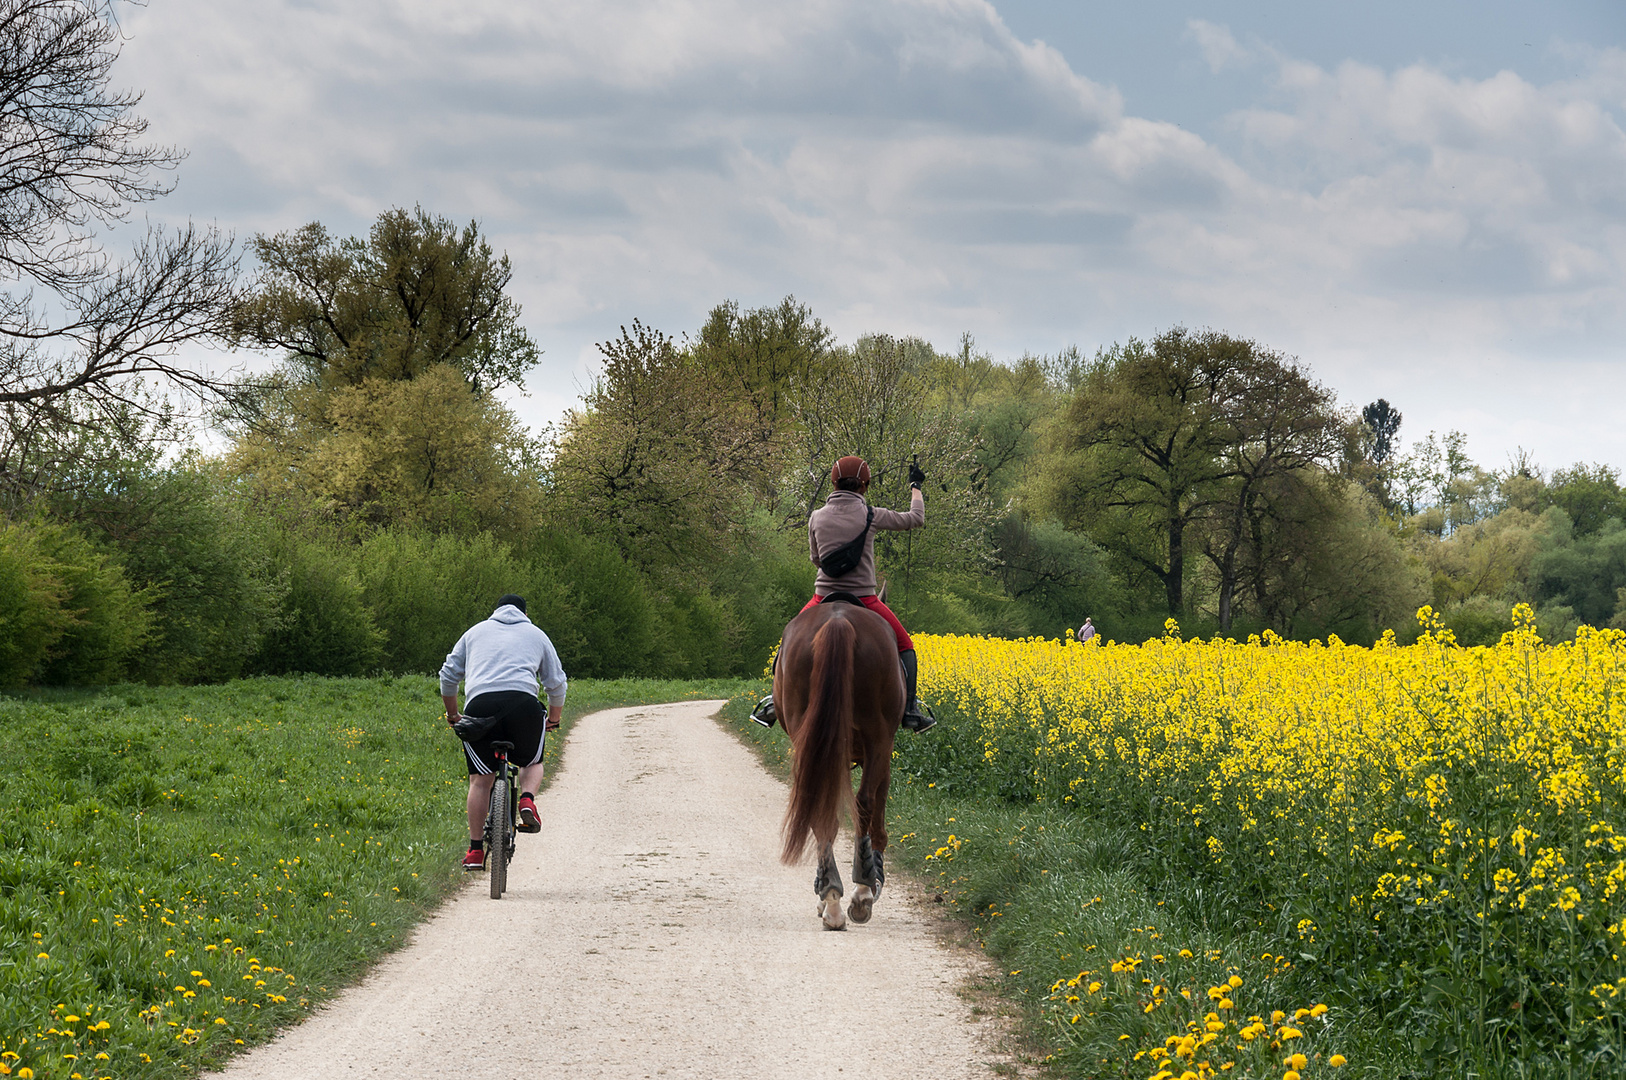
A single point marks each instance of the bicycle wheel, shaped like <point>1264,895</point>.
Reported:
<point>497,821</point>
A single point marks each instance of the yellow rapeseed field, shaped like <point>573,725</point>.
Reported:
<point>1437,825</point>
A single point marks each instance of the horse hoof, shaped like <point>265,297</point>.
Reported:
<point>863,904</point>
<point>830,911</point>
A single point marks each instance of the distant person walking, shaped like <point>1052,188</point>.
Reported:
<point>1087,631</point>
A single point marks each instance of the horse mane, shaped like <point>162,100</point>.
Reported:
<point>821,784</point>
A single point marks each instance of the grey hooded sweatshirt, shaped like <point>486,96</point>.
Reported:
<point>505,652</point>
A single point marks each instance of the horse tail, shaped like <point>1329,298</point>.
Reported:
<point>821,783</point>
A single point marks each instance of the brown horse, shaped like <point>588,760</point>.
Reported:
<point>838,689</point>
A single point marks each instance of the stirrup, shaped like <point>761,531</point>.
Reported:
<point>919,719</point>
<point>764,712</point>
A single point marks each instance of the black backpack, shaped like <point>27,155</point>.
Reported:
<point>845,559</point>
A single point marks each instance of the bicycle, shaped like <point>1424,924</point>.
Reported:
<point>502,820</point>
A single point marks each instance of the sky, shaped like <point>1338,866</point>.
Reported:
<point>1424,202</point>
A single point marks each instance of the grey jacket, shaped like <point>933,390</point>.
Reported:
<point>505,652</point>
<point>841,519</point>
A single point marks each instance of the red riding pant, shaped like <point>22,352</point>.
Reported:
<point>905,643</point>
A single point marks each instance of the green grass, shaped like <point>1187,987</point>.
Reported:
<point>184,870</point>
<point>1056,899</point>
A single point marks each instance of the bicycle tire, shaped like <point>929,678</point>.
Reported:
<point>499,824</point>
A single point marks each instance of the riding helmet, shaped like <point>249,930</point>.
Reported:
<point>850,468</point>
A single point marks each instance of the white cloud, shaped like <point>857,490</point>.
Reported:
<point>912,166</point>
<point>1219,47</point>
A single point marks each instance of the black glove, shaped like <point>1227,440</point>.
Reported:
<point>916,476</point>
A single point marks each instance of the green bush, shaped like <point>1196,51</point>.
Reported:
<point>109,621</point>
<point>610,610</point>
<point>324,627</point>
<point>32,616</point>
<point>697,637</point>
<point>67,612</point>
<point>424,591</point>
<point>201,558</point>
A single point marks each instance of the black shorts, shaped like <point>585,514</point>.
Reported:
<point>520,720</point>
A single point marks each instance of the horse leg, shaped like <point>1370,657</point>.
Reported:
<point>870,875</point>
<point>827,886</point>
<point>869,871</point>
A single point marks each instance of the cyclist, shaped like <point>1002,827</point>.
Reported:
<point>845,518</point>
<point>501,661</point>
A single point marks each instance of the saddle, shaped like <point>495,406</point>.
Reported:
<point>842,598</point>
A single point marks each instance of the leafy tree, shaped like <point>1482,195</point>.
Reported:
<point>1382,422</point>
<point>416,294</point>
<point>32,616</point>
<point>658,458</point>
<point>109,620</point>
<point>1583,572</point>
<point>1282,431</point>
<point>1492,558</point>
<point>1141,450</point>
<point>1589,494</point>
<point>1439,486</point>
<point>1000,406</point>
<point>1342,568</point>
<point>426,451</point>
<point>766,357</point>
<point>1056,576</point>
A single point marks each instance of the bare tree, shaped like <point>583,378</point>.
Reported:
<point>80,331</point>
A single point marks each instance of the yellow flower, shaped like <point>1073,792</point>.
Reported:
<point>1336,1060</point>
<point>1296,1061</point>
<point>1290,1074</point>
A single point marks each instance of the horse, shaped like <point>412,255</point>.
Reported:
<point>838,689</point>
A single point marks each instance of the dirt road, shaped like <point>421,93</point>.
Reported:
<point>649,931</point>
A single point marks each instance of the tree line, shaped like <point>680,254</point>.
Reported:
<point>375,493</point>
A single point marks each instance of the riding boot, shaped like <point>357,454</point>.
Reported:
<point>764,713</point>
<point>916,717</point>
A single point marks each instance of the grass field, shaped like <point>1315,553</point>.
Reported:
<point>183,870</point>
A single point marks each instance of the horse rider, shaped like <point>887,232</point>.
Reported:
<point>847,517</point>
<point>500,662</point>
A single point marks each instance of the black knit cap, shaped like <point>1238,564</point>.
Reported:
<point>510,598</point>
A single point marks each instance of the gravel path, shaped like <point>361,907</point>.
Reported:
<point>650,931</point>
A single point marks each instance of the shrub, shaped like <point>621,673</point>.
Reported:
<point>32,617</point>
<point>324,626</point>
<point>610,607</point>
<point>108,621</point>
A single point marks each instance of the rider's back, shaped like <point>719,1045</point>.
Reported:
<point>504,652</point>
<point>840,520</point>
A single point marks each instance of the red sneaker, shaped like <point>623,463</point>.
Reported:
<point>474,861</point>
<point>529,819</point>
